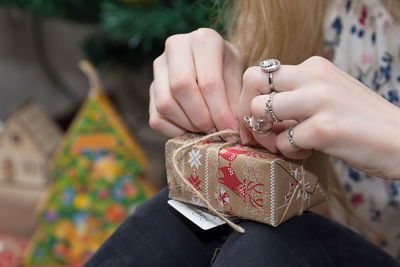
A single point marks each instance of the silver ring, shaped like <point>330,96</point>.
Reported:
<point>271,84</point>
<point>270,65</point>
<point>291,139</point>
<point>258,126</point>
<point>269,107</point>
<point>249,121</point>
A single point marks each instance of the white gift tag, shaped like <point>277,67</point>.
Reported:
<point>198,216</point>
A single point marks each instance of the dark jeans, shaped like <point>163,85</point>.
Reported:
<point>156,235</point>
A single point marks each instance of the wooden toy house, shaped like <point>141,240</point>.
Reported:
<point>26,142</point>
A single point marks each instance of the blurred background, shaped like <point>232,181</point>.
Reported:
<point>41,91</point>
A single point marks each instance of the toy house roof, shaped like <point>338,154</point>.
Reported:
<point>44,133</point>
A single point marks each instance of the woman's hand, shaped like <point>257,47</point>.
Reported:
<point>332,112</point>
<point>197,83</point>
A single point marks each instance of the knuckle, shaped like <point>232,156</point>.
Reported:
<point>324,129</point>
<point>249,77</point>
<point>172,40</point>
<point>157,63</point>
<point>316,60</point>
<point>155,123</point>
<point>224,117</point>
<point>164,106</point>
<point>178,85</point>
<point>205,33</point>
<point>322,95</point>
<point>318,68</point>
<point>208,85</point>
<point>320,73</point>
<point>203,123</point>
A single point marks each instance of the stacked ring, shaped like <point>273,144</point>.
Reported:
<point>269,66</point>
<point>269,109</point>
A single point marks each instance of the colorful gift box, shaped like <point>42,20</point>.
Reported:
<point>99,180</point>
<point>242,181</point>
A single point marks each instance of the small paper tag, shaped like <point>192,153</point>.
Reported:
<point>198,216</point>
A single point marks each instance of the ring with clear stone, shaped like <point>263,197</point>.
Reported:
<point>258,126</point>
<point>270,65</point>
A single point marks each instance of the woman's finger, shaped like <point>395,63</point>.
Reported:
<point>268,140</point>
<point>182,82</point>
<point>254,102</point>
<point>163,102</point>
<point>295,142</point>
<point>288,78</point>
<point>159,123</point>
<point>255,83</point>
<point>293,105</point>
<point>233,72</point>
<point>208,55</point>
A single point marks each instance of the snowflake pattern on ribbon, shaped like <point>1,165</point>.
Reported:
<point>195,157</point>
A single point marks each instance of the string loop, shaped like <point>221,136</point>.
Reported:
<point>191,187</point>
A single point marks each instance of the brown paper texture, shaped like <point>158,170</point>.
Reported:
<point>246,182</point>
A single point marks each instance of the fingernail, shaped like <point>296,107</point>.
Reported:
<point>244,137</point>
<point>213,130</point>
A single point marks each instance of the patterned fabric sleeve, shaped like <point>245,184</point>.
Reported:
<point>362,39</point>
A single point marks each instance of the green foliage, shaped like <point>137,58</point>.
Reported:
<point>142,26</point>
<point>132,31</point>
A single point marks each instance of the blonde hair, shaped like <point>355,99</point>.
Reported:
<point>292,31</point>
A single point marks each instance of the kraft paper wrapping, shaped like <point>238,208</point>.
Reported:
<point>242,181</point>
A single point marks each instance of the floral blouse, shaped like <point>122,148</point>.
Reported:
<point>362,39</point>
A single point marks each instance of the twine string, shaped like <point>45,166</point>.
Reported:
<point>303,191</point>
<point>192,188</point>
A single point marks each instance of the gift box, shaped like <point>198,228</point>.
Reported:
<point>242,181</point>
